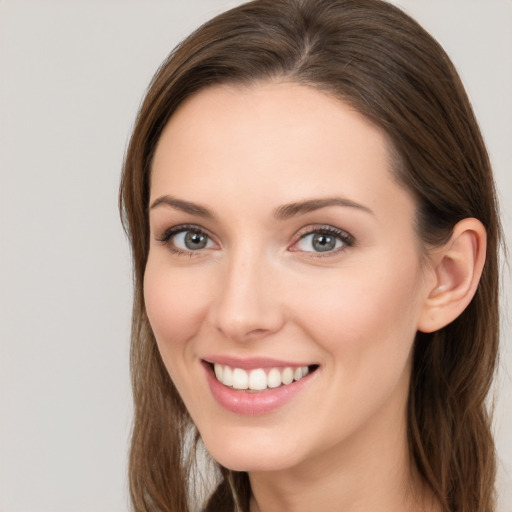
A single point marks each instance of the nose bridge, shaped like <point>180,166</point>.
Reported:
<point>246,306</point>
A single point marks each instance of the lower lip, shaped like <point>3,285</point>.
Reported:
<point>253,403</point>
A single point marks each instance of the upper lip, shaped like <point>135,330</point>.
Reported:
<point>252,362</point>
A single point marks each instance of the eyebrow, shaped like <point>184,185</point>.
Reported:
<point>184,206</point>
<point>300,208</point>
<point>281,213</point>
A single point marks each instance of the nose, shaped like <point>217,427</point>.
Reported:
<point>248,305</point>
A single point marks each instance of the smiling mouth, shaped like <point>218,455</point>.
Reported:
<point>259,379</point>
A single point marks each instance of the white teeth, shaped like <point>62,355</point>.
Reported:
<point>218,371</point>
<point>240,379</point>
<point>287,376</point>
<point>258,379</point>
<point>227,376</point>
<point>274,378</point>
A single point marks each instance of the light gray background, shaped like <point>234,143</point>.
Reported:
<point>72,74</point>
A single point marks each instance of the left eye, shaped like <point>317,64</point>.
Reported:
<point>320,242</point>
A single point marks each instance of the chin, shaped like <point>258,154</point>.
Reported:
<point>239,454</point>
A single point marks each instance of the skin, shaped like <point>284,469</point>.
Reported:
<point>259,290</point>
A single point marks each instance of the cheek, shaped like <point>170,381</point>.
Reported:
<point>364,315</point>
<point>175,302</point>
<point>365,323</point>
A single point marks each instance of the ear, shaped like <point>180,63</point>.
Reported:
<point>457,267</point>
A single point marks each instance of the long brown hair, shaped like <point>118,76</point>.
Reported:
<point>374,57</point>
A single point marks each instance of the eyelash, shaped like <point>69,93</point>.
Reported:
<point>165,239</point>
<point>346,239</point>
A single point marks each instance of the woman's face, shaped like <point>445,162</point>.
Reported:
<point>282,248</point>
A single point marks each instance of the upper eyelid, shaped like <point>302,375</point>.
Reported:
<point>347,239</point>
<point>174,230</point>
<point>318,228</point>
<point>165,239</point>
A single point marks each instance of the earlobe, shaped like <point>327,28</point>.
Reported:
<point>457,267</point>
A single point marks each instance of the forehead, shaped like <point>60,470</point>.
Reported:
<point>278,113</point>
<point>283,140</point>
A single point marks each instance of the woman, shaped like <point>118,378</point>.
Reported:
<point>314,231</point>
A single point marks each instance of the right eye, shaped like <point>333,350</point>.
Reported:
<point>186,240</point>
<point>191,240</point>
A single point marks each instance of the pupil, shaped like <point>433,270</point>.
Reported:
<point>323,243</point>
<point>195,241</point>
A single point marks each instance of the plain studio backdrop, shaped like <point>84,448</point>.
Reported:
<point>72,74</point>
